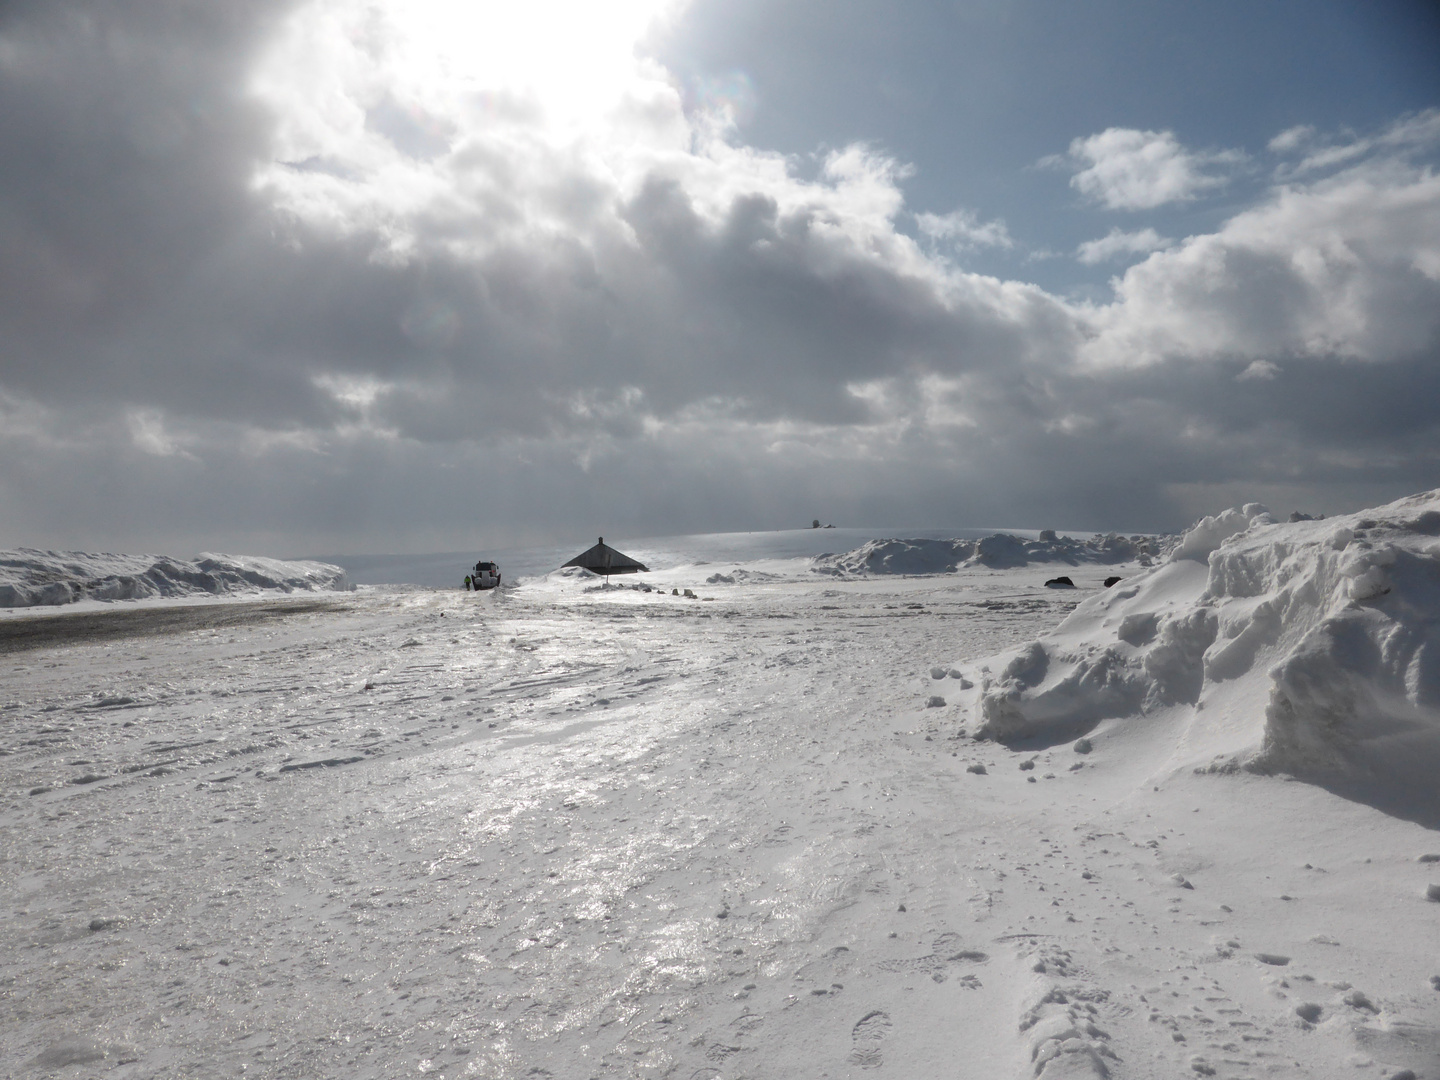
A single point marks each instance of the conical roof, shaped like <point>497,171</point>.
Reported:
<point>602,559</point>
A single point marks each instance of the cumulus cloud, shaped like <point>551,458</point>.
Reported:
<point>1347,268</point>
<point>295,277</point>
<point>1291,139</point>
<point>1259,369</point>
<point>1117,242</point>
<point>1128,169</point>
<point>1415,133</point>
<point>964,229</point>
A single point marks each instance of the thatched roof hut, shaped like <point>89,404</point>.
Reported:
<point>602,559</point>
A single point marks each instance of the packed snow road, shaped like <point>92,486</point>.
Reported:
<point>562,831</point>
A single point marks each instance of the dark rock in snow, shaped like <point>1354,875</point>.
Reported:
<point>73,1051</point>
<point>1083,746</point>
<point>1357,1000</point>
<point>1060,583</point>
<point>1113,579</point>
<point>327,763</point>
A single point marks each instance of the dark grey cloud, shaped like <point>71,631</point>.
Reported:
<point>352,311</point>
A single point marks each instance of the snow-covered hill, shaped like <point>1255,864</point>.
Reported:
<point>29,577</point>
<point>1310,648</point>
<point>999,551</point>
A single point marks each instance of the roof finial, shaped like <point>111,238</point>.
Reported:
<point>602,539</point>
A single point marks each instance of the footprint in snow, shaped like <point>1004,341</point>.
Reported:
<point>869,1032</point>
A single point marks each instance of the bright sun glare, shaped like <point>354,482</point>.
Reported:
<point>564,62</point>
<point>572,54</point>
<point>384,108</point>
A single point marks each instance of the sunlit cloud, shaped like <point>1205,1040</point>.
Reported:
<point>1409,134</point>
<point>964,229</point>
<point>1117,243</point>
<point>1127,169</point>
<point>1307,273</point>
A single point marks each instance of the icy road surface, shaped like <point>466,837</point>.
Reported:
<point>563,833</point>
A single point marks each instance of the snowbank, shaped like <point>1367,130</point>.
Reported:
<point>1000,551</point>
<point>29,577</point>
<point>1311,648</point>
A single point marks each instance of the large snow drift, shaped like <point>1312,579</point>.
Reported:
<point>29,577</point>
<point>1310,648</point>
<point>1000,551</point>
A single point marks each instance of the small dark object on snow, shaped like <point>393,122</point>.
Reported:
<point>1113,580</point>
<point>1083,746</point>
<point>1059,583</point>
<point>1357,1000</point>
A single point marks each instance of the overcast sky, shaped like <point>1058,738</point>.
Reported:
<point>404,275</point>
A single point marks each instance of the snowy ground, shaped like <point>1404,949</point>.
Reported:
<point>564,831</point>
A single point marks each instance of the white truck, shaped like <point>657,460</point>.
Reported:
<point>486,575</point>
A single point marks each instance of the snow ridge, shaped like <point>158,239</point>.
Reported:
<point>29,577</point>
<point>1310,648</point>
<point>998,551</point>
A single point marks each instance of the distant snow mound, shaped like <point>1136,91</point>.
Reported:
<point>1308,647</point>
<point>741,575</point>
<point>29,578</point>
<point>999,551</point>
<point>571,572</point>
